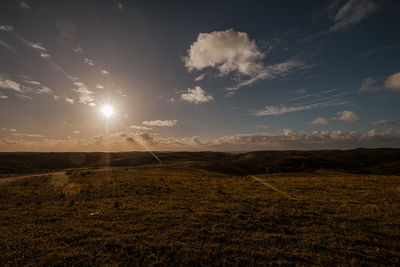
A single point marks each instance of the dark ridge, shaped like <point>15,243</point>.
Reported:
<point>374,161</point>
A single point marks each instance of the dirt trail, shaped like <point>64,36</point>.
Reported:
<point>16,178</point>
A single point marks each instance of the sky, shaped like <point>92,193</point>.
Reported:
<point>199,75</point>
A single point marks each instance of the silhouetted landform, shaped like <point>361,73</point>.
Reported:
<point>374,161</point>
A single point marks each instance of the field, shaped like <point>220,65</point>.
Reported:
<point>175,213</point>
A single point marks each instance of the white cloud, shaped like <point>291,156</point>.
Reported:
<point>78,50</point>
<point>104,72</point>
<point>9,84</point>
<point>24,5</point>
<point>226,50</point>
<point>76,132</point>
<point>346,116</point>
<point>44,55</point>
<point>37,46</point>
<point>99,86</point>
<point>196,95</point>
<point>28,80</point>
<point>3,97</point>
<point>85,95</point>
<point>263,126</point>
<point>69,100</point>
<point>88,61</point>
<point>44,90</point>
<point>140,128</point>
<point>352,12</point>
<point>382,122</point>
<point>278,110</point>
<point>369,84</point>
<point>160,123</point>
<point>29,135</point>
<point>393,82</point>
<point>233,52</point>
<point>319,120</point>
<point>13,130</point>
<point>25,96</point>
<point>6,28</point>
<point>200,77</point>
<point>118,6</point>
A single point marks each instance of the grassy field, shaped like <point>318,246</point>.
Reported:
<point>176,214</point>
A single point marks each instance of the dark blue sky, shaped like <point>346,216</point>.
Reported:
<point>200,75</point>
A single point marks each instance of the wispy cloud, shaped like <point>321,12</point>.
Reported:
<point>382,122</point>
<point>78,50</point>
<point>139,128</point>
<point>24,5</point>
<point>196,96</point>
<point>88,61</point>
<point>278,110</point>
<point>6,83</point>
<point>44,90</point>
<point>3,97</point>
<point>269,73</point>
<point>44,55</point>
<point>160,123</point>
<point>370,85</point>
<point>4,44</point>
<point>352,12</point>
<point>37,46</point>
<point>105,72</point>
<point>118,6</point>
<point>29,135</point>
<point>6,28</point>
<point>374,51</point>
<point>69,100</point>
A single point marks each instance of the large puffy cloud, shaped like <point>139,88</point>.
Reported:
<point>346,116</point>
<point>393,82</point>
<point>352,12</point>
<point>225,50</point>
<point>233,52</point>
<point>196,95</point>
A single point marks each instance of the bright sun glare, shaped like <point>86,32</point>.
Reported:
<point>107,111</point>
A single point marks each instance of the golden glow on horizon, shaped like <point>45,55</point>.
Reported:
<point>107,111</point>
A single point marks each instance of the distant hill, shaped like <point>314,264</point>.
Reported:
<point>376,161</point>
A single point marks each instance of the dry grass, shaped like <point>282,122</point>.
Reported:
<point>173,214</point>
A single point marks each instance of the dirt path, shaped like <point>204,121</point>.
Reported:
<point>16,178</point>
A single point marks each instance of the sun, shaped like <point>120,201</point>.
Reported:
<point>107,111</point>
